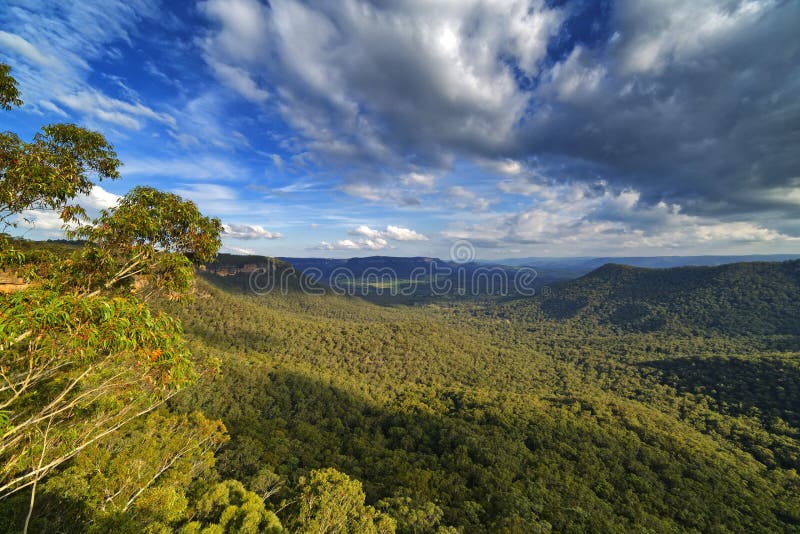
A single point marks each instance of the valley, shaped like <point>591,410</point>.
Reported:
<point>510,416</point>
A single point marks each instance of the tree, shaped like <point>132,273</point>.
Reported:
<point>122,469</point>
<point>412,517</point>
<point>96,350</point>
<point>9,94</point>
<point>51,171</point>
<point>138,478</point>
<point>82,354</point>
<point>331,502</point>
<point>151,238</point>
<point>229,507</point>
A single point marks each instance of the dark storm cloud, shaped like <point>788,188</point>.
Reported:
<point>689,102</point>
<point>389,82</point>
<point>701,109</point>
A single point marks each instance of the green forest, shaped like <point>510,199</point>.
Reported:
<point>143,393</point>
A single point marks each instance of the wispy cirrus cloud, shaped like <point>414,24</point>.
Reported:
<point>126,114</point>
<point>205,167</point>
<point>52,47</point>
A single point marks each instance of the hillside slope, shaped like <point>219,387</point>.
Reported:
<point>737,299</point>
<point>470,415</point>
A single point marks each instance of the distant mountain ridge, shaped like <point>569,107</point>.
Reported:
<point>738,298</point>
<point>590,262</point>
<point>402,266</point>
<point>553,269</point>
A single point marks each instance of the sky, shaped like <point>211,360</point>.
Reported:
<point>404,127</point>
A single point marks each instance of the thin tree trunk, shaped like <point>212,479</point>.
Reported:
<point>36,480</point>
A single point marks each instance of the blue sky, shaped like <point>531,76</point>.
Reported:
<point>529,128</point>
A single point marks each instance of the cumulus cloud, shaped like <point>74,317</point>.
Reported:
<point>690,102</point>
<point>668,122</point>
<point>239,250</point>
<point>687,102</point>
<point>370,80</point>
<point>366,238</point>
<point>357,244</point>
<point>248,231</point>
<point>98,199</point>
<point>48,223</point>
<point>580,216</point>
<point>399,233</point>
<point>412,179</point>
<point>462,198</point>
<point>395,233</point>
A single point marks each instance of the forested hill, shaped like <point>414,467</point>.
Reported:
<point>460,416</point>
<point>739,298</point>
<point>588,264</point>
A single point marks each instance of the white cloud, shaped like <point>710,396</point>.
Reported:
<point>15,43</point>
<point>394,233</point>
<point>51,46</point>
<point>358,244</point>
<point>393,93</point>
<point>49,106</point>
<point>239,250</point>
<point>398,233</point>
<point>680,30</point>
<point>98,199</point>
<point>372,239</point>
<point>248,231</point>
<point>381,194</point>
<point>441,72</point>
<point>240,81</point>
<point>96,104</point>
<point>196,168</point>
<point>49,222</point>
<point>462,198</point>
<point>425,180</point>
<point>365,231</point>
<point>243,31</point>
<point>581,216</point>
<point>40,220</point>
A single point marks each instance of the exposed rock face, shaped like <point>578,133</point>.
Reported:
<point>10,282</point>
<point>232,270</point>
<point>234,264</point>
